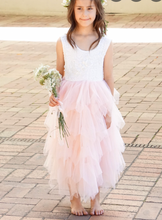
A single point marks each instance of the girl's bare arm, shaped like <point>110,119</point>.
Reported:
<point>60,57</point>
<point>108,76</point>
<point>108,68</point>
<point>60,67</point>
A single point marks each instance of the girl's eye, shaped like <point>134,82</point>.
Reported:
<point>90,8</point>
<point>79,9</point>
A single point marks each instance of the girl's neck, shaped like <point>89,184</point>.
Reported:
<point>84,31</point>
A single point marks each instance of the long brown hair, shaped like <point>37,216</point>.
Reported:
<point>99,23</point>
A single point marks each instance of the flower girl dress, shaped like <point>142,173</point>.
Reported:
<point>94,156</point>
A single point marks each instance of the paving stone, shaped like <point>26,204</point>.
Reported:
<point>141,178</point>
<point>35,148</point>
<point>159,183</point>
<point>5,159</point>
<point>11,148</point>
<point>35,181</point>
<point>45,205</point>
<point>42,192</point>
<point>6,206</point>
<point>154,199</point>
<point>18,192</point>
<point>137,183</point>
<point>129,192</point>
<point>20,166</point>
<point>15,184</point>
<point>126,197</point>
<point>17,175</point>
<point>47,215</point>
<point>5,172</point>
<point>61,209</point>
<point>119,214</point>
<point>37,159</point>
<point>159,217</point>
<point>3,211</point>
<point>20,210</point>
<point>10,218</point>
<point>26,218</point>
<point>123,202</point>
<point>19,201</point>
<point>149,211</point>
<point>124,208</point>
<point>110,218</point>
<point>142,174</point>
<point>73,217</point>
<point>37,174</point>
<point>18,160</point>
<point>156,192</point>
<point>133,187</point>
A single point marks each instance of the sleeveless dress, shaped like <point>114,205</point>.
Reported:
<point>94,156</point>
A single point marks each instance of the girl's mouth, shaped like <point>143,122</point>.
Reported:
<point>84,19</point>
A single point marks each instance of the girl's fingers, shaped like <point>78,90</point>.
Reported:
<point>53,102</point>
<point>54,99</point>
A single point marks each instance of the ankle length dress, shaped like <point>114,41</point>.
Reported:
<point>94,156</point>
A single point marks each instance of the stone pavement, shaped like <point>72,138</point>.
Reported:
<point>24,190</point>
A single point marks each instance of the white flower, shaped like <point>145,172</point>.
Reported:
<point>48,84</point>
<point>40,71</point>
<point>51,78</point>
<point>104,2</point>
<point>66,3</point>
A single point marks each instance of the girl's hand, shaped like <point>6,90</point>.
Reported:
<point>53,101</point>
<point>108,121</point>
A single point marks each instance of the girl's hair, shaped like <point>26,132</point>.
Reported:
<point>99,23</point>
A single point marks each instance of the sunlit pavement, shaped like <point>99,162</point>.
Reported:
<point>26,42</point>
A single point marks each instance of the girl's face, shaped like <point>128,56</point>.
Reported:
<point>85,12</point>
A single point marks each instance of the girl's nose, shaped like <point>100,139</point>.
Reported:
<point>85,12</point>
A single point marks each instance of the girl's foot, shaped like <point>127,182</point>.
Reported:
<point>77,208</point>
<point>95,206</point>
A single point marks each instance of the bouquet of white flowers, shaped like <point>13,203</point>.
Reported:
<point>51,79</point>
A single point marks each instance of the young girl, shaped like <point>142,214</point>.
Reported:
<point>94,156</point>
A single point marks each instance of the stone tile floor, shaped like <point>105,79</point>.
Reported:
<point>24,190</point>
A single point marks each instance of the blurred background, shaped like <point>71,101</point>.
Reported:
<point>54,7</point>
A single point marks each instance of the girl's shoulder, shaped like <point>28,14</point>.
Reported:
<point>62,40</point>
<point>107,39</point>
<point>63,37</point>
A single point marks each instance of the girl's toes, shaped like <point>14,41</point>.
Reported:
<point>92,212</point>
<point>80,213</point>
<point>72,212</point>
<point>101,212</point>
<point>85,212</point>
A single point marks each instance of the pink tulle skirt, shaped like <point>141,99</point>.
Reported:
<point>94,156</point>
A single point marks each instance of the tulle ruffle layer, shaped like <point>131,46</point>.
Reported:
<point>94,156</point>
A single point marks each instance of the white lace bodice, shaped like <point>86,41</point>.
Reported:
<point>84,65</point>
